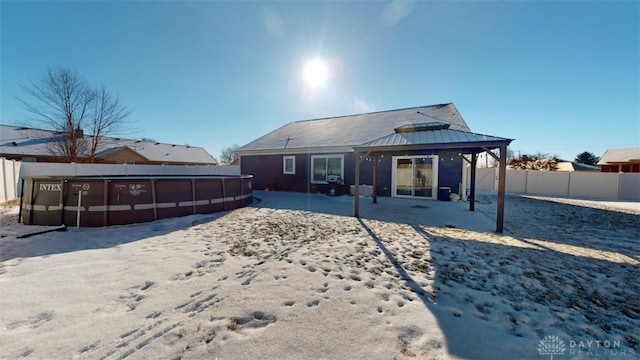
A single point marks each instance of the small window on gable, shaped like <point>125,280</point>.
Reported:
<point>289,165</point>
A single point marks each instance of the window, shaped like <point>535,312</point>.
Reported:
<point>325,165</point>
<point>289,165</point>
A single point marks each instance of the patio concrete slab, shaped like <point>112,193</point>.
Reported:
<point>399,210</point>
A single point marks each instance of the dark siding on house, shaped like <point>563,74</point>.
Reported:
<point>450,172</point>
<point>383,187</point>
<point>267,172</point>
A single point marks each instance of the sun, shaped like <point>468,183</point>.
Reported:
<point>315,73</point>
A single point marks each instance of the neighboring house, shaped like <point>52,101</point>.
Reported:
<point>28,144</point>
<point>407,152</point>
<point>620,160</point>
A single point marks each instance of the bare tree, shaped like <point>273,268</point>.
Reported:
<point>493,163</point>
<point>228,155</point>
<point>63,101</point>
<point>106,117</point>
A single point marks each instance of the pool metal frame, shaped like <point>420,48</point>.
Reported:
<point>120,200</point>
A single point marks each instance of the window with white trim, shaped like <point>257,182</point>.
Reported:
<point>324,165</point>
<point>289,165</point>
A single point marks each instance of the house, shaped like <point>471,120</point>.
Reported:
<point>566,165</point>
<point>28,144</point>
<point>620,160</point>
<point>575,166</point>
<point>413,152</point>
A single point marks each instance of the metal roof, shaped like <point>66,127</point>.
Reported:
<point>352,130</point>
<point>432,139</point>
<point>16,140</point>
<point>612,156</point>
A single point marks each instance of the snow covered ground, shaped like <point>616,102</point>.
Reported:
<point>278,281</point>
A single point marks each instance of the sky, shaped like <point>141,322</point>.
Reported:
<point>558,77</point>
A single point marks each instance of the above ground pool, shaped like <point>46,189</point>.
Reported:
<point>118,200</point>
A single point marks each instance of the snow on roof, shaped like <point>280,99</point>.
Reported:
<point>16,140</point>
<point>575,166</point>
<point>620,156</point>
<point>352,130</point>
<point>156,151</point>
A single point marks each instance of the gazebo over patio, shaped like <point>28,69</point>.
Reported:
<point>427,138</point>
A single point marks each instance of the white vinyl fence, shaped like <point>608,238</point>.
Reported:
<point>567,184</point>
<point>9,175</point>
<point>13,171</point>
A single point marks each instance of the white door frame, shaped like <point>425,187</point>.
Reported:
<point>394,165</point>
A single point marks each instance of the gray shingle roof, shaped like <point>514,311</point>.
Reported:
<point>620,156</point>
<point>15,140</point>
<point>352,130</point>
<point>155,151</point>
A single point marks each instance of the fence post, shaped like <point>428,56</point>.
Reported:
<point>16,174</point>
<point>4,195</point>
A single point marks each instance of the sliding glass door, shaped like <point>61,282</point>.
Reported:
<point>415,176</point>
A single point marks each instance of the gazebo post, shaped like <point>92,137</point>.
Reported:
<point>502,175</point>
<point>472,192</point>
<point>374,193</point>
<point>356,190</point>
